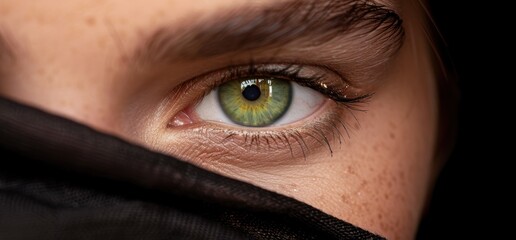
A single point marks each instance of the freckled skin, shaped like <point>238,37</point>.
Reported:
<point>70,61</point>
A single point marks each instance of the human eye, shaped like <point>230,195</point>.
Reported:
<point>283,111</point>
<point>265,96</point>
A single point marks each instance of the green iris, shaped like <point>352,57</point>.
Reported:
<point>255,102</point>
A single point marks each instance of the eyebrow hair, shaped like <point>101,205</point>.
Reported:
<point>316,21</point>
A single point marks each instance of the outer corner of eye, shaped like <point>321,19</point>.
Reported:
<point>259,102</point>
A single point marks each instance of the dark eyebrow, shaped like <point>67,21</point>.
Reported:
<point>247,28</point>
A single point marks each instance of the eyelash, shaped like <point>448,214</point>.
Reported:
<point>290,72</point>
<point>323,130</point>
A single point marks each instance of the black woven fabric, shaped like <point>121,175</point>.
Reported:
<point>63,180</point>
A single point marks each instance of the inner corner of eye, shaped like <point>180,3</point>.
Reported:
<point>259,103</point>
<point>182,118</point>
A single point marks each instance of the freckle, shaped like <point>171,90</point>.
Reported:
<point>402,198</point>
<point>124,59</point>
<point>41,71</point>
<point>90,21</point>
<point>380,216</point>
<point>402,175</point>
<point>392,135</point>
<point>375,148</point>
<point>392,125</point>
<point>386,196</point>
<point>350,170</point>
<point>363,184</point>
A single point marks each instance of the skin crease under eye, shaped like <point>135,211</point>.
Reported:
<point>377,179</point>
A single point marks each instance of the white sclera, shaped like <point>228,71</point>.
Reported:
<point>305,101</point>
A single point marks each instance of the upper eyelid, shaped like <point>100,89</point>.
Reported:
<point>233,72</point>
<point>337,88</point>
<point>316,80</point>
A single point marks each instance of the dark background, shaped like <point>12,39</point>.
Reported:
<point>471,198</point>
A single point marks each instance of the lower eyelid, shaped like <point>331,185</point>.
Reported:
<point>217,144</point>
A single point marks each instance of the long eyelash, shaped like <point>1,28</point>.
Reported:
<point>324,132</point>
<point>291,72</point>
<point>298,138</point>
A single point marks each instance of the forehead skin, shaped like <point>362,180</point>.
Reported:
<point>70,58</point>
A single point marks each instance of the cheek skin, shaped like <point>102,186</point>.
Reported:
<point>393,154</point>
<point>381,176</point>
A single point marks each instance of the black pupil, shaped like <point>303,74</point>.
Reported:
<point>251,92</point>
